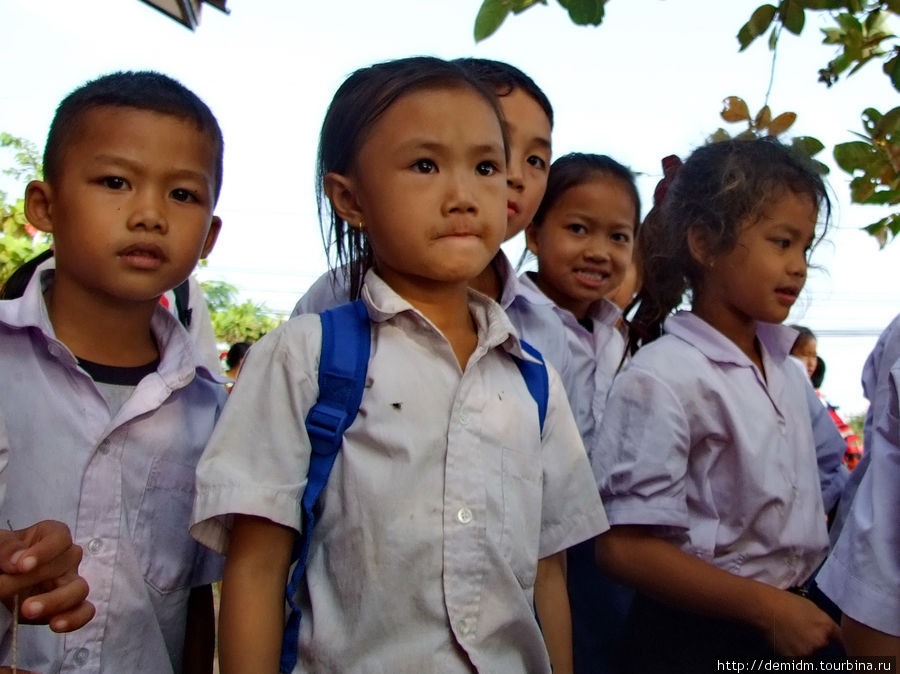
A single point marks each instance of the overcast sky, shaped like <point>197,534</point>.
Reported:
<point>647,83</point>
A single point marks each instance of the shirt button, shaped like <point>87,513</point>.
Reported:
<point>464,515</point>
<point>462,627</point>
<point>81,656</point>
<point>94,546</point>
<point>463,418</point>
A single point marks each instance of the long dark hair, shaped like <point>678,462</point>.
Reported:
<point>720,187</point>
<point>358,103</point>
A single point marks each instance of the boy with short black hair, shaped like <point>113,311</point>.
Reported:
<point>111,406</point>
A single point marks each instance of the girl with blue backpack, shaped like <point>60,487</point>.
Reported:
<point>452,500</point>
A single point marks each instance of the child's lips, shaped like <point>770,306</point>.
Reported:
<point>146,256</point>
<point>512,208</point>
<point>592,277</point>
<point>787,295</point>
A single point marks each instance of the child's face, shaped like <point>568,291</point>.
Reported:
<point>429,184</point>
<point>807,352</point>
<point>762,276</point>
<point>131,211</point>
<point>585,243</point>
<point>528,134</point>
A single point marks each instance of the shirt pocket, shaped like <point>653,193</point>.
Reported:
<point>522,483</point>
<point>165,549</point>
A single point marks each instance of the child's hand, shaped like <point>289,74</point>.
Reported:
<point>799,627</point>
<point>40,564</point>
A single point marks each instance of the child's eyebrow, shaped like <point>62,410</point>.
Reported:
<point>432,146</point>
<point>137,167</point>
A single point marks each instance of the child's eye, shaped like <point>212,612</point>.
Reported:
<point>424,166</point>
<point>621,237</point>
<point>577,228</point>
<point>782,243</point>
<point>486,168</point>
<point>537,162</point>
<point>114,182</point>
<point>184,195</point>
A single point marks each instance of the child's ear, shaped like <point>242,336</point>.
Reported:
<point>341,191</point>
<point>38,205</point>
<point>698,244</point>
<point>212,235</point>
<point>531,237</point>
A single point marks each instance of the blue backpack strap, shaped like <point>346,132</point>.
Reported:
<point>344,361</point>
<point>536,379</point>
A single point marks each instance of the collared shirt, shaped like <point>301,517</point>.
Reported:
<point>593,356</point>
<point>123,484</point>
<point>862,573</point>
<point>441,501</point>
<point>721,459</point>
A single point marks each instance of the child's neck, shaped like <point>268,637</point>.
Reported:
<point>739,329</point>
<point>447,306</point>
<point>488,282</point>
<point>110,332</point>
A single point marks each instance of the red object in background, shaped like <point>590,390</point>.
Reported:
<point>854,445</point>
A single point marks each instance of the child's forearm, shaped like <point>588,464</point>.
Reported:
<point>861,640</point>
<point>200,632</point>
<point>252,610</point>
<point>551,601</point>
<point>794,625</point>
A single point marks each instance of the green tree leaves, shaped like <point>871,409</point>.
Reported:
<point>233,322</point>
<point>19,242</point>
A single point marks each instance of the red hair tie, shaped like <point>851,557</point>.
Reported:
<point>670,166</point>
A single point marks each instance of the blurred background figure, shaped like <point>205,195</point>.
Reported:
<point>233,361</point>
<point>805,350</point>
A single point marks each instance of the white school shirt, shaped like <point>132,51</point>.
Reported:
<point>593,355</point>
<point>862,572</point>
<point>441,501</point>
<point>533,317</point>
<point>123,485</point>
<point>720,460</point>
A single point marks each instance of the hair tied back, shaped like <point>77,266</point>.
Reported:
<point>670,166</point>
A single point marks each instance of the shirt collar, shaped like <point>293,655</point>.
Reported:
<point>602,311</point>
<point>776,339</point>
<point>179,361</point>
<point>494,327</point>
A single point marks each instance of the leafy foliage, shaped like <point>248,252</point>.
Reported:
<point>233,322</point>
<point>736,111</point>
<point>860,35</point>
<point>18,240</point>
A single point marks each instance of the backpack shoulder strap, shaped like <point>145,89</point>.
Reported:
<point>183,302</point>
<point>343,364</point>
<point>536,379</point>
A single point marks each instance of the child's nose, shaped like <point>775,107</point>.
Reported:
<point>460,194</point>
<point>148,214</point>
<point>514,177</point>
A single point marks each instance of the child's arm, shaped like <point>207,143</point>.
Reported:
<point>200,632</point>
<point>862,640</point>
<point>40,564</point>
<point>252,610</point>
<point>551,601</point>
<point>793,625</point>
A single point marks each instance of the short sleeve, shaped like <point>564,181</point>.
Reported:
<point>640,459</point>
<point>862,574</point>
<point>571,511</point>
<point>257,459</point>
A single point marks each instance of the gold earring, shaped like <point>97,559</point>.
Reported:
<point>362,225</point>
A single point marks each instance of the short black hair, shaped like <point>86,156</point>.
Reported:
<point>577,168</point>
<point>142,90</point>
<point>503,79</point>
